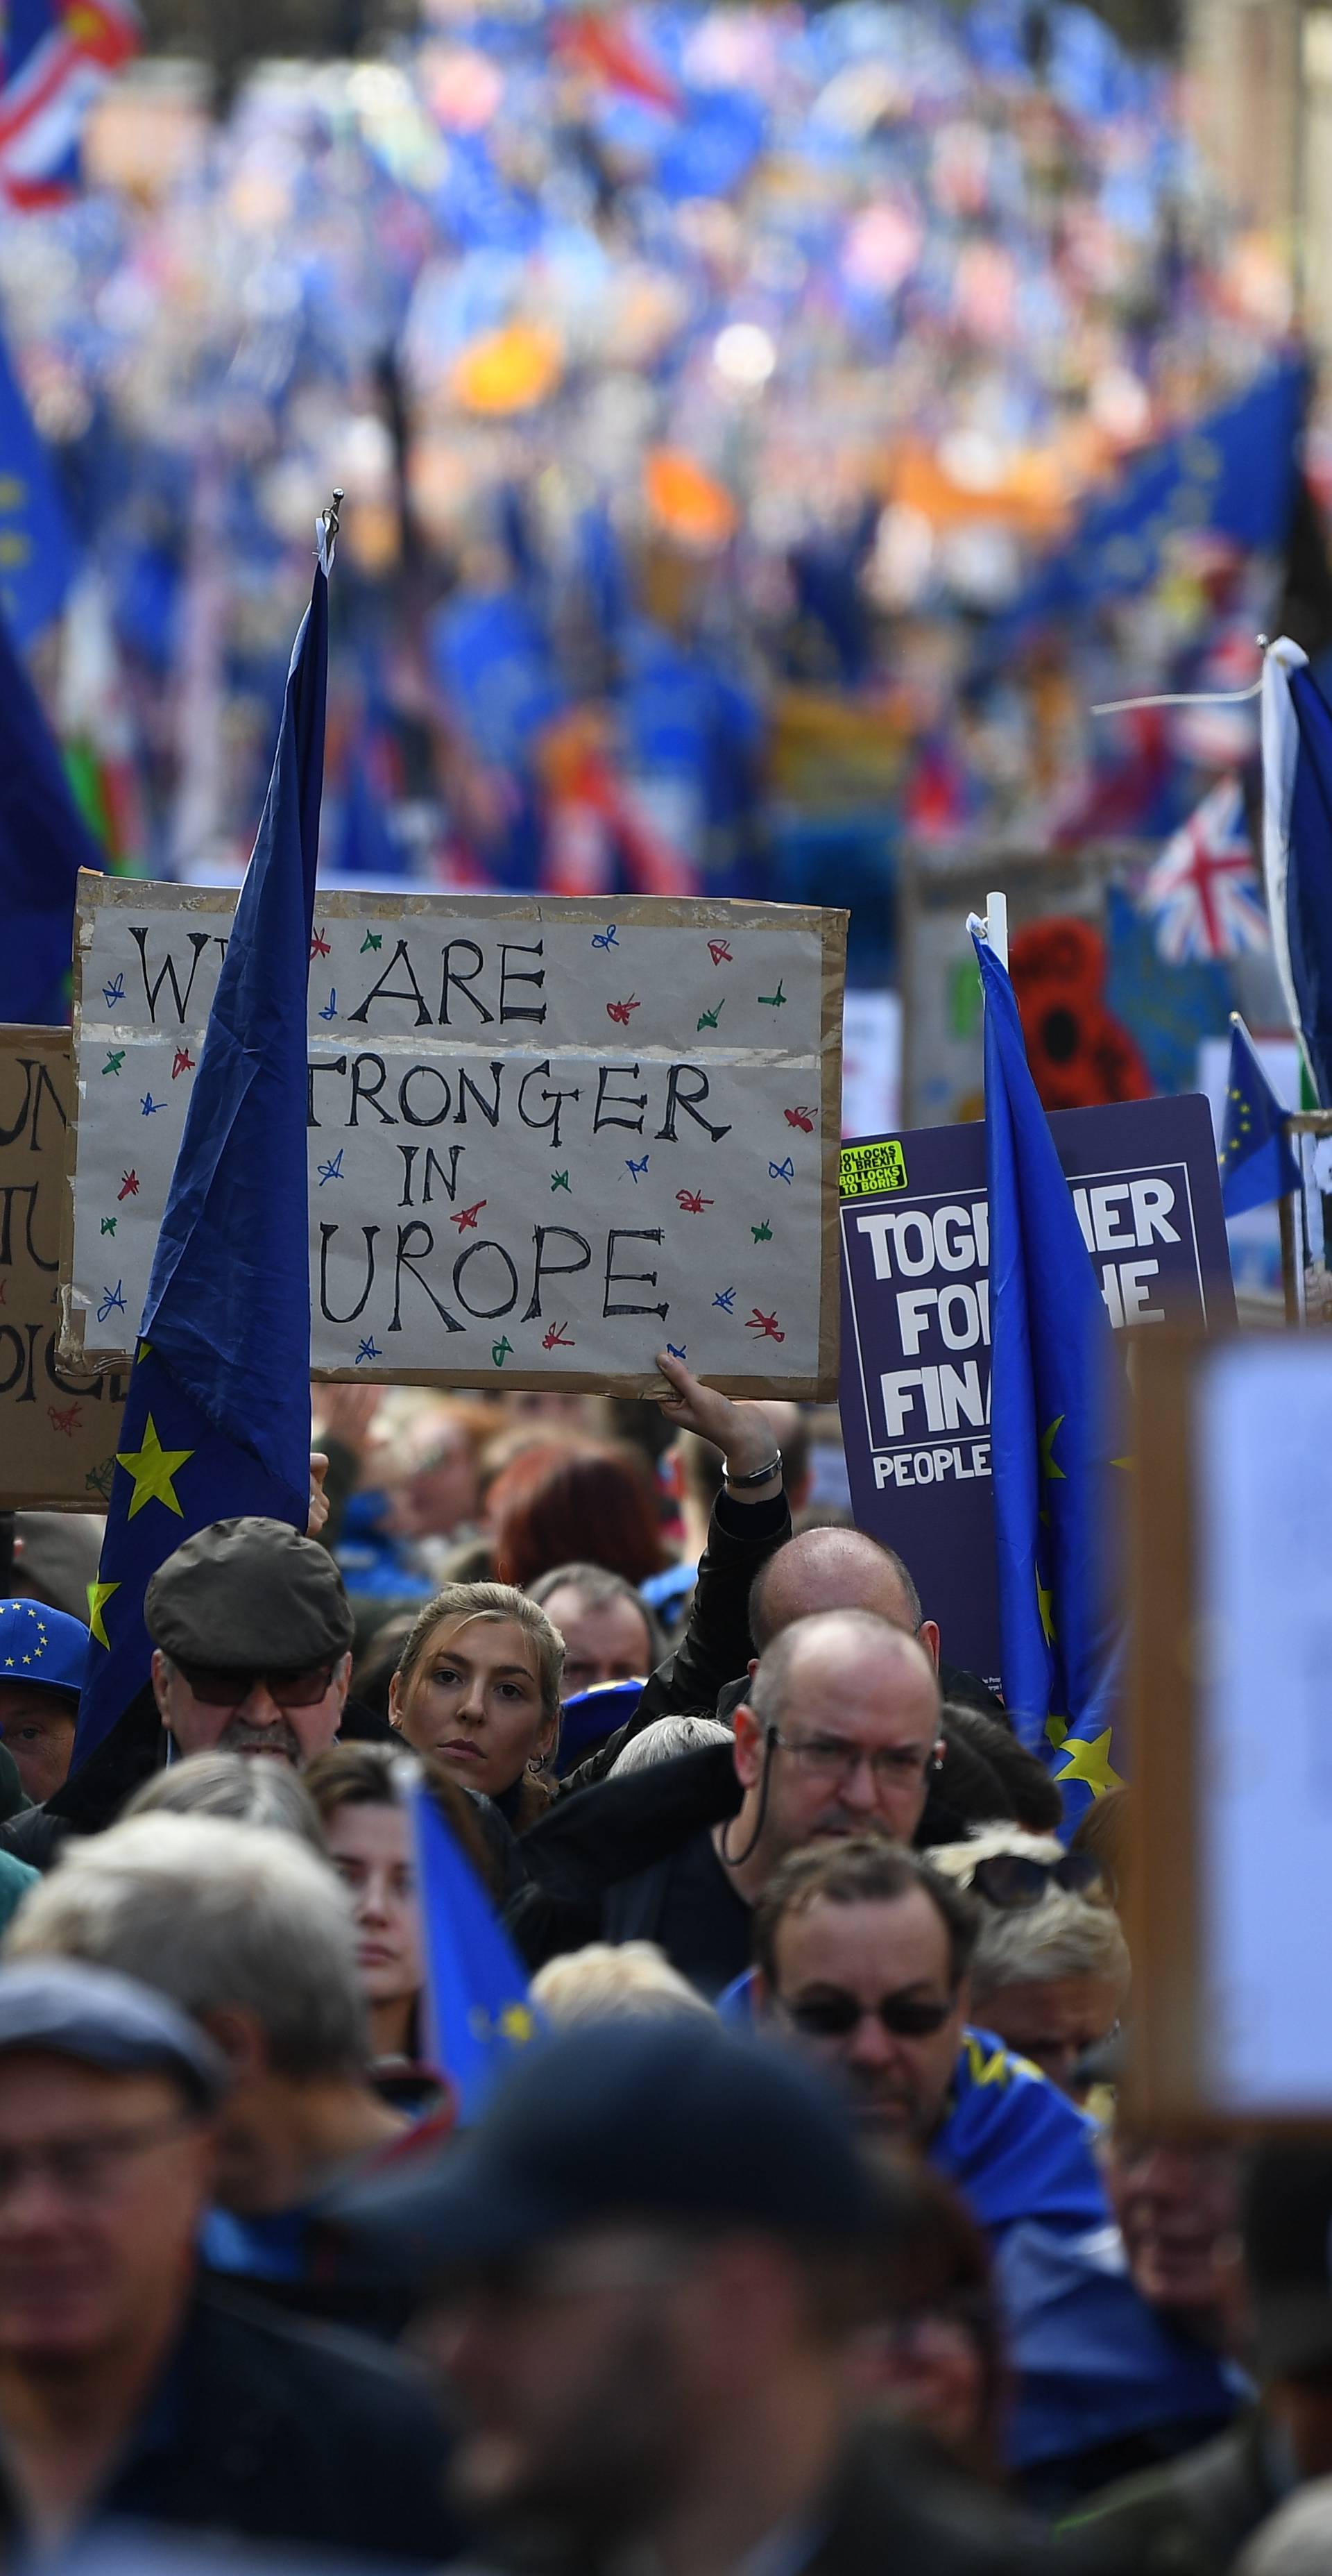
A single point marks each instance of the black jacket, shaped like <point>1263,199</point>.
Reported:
<point>1191,2518</point>
<point>265,2430</point>
<point>892,2509</point>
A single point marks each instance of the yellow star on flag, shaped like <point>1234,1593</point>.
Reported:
<point>1048,1467</point>
<point>1045,1604</point>
<point>98,1596</point>
<point>153,1468</point>
<point>1090,1763</point>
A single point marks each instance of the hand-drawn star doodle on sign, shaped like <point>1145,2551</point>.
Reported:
<point>802,1118</point>
<point>114,1061</point>
<point>766,1326</point>
<point>182,1062</point>
<point>129,1186</point>
<point>619,1011</point>
<point>692,1201</point>
<point>725,1298</point>
<point>465,1218</point>
<point>719,952</point>
<point>319,946</point>
<point>637,1169</point>
<point>605,938</point>
<point>149,1106</point>
<point>559,1338</point>
<point>782,1171</point>
<point>114,992</point>
<point>332,1170</point>
<point>369,1350</point>
<point>113,1302</point>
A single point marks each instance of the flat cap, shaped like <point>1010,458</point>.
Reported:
<point>249,1595</point>
<point>106,2020</point>
<point>674,2121</point>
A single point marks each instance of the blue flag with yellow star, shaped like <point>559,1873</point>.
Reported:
<point>1051,1420</point>
<point>217,1420</point>
<point>476,2004</point>
<point>1257,1161</point>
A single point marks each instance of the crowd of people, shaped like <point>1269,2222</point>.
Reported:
<point>707,386</point>
<point>803,2231</point>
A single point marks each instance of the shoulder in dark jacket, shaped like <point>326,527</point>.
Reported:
<point>287,2432</point>
<point>1191,2518</point>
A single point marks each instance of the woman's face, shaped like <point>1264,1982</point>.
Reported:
<point>371,1850</point>
<point>474,1701</point>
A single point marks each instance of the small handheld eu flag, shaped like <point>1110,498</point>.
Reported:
<point>1051,1414</point>
<point>477,2010</point>
<point>1257,1162</point>
<point>217,1419</point>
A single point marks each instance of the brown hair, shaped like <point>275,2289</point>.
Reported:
<point>863,1872</point>
<point>357,1774</point>
<point>462,1601</point>
<point>551,1504</point>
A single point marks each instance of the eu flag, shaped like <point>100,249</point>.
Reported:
<point>1257,1163</point>
<point>217,1420</point>
<point>44,842</point>
<point>477,2009</point>
<point>37,559</point>
<point>1053,1364</point>
<point>1297,849</point>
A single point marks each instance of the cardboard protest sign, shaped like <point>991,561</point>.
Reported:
<point>1228,1894</point>
<point>58,1431</point>
<point>546,1138</point>
<point>915,1392</point>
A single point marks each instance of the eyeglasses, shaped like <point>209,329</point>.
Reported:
<point>219,1688</point>
<point>86,2168</point>
<point>832,1759</point>
<point>835,2015</point>
<point>1013,1881</point>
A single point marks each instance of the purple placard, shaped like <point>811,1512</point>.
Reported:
<point>915,1379</point>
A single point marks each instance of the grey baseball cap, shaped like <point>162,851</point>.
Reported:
<point>64,2008</point>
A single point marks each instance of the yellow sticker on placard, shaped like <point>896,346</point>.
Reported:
<point>865,1169</point>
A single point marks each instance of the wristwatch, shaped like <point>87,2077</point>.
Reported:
<point>756,1476</point>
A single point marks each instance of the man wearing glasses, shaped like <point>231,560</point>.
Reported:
<point>251,1630</point>
<point>836,1737</point>
<point>863,1958</point>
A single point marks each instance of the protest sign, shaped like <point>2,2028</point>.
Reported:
<point>1228,1895</point>
<point>915,1392</point>
<point>59,1430</point>
<point>546,1138</point>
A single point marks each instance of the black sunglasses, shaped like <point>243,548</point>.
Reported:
<point>835,2016</point>
<point>1014,1881</point>
<point>220,1688</point>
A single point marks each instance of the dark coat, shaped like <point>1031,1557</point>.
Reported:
<point>267,2430</point>
<point>1191,2518</point>
<point>893,2509</point>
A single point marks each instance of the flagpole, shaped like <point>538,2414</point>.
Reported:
<point>996,926</point>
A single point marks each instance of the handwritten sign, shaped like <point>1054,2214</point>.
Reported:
<point>59,1430</point>
<point>546,1138</point>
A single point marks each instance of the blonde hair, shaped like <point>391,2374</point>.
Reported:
<point>461,1602</point>
<point>604,1982</point>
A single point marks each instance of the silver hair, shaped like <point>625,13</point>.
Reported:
<point>665,1738</point>
<point>216,1915</point>
<point>1296,2540</point>
<point>250,1792</point>
<point>1063,1936</point>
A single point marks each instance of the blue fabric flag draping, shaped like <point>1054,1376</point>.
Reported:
<point>217,1420</point>
<point>1234,472</point>
<point>1257,1161</point>
<point>476,2002</point>
<point>44,842</point>
<point>1051,1418</point>
<point>37,559</point>
<point>1297,849</point>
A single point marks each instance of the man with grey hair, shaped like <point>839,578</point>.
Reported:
<point>1051,1980</point>
<point>250,1933</point>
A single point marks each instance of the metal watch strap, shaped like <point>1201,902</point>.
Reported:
<point>756,1476</point>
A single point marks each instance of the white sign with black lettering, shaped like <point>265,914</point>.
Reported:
<point>546,1138</point>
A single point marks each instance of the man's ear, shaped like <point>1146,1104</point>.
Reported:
<point>752,1666</point>
<point>160,1676</point>
<point>241,2038</point>
<point>342,1681</point>
<point>928,1633</point>
<point>749,1731</point>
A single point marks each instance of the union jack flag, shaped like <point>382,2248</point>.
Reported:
<point>1202,892</point>
<point>55,55</point>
